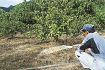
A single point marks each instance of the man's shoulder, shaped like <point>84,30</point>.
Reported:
<point>90,34</point>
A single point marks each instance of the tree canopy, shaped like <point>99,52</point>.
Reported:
<point>52,18</point>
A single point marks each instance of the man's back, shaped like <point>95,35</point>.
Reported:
<point>100,42</point>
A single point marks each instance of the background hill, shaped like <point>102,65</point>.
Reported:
<point>7,9</point>
<point>50,19</point>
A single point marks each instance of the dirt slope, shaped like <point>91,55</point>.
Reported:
<point>20,53</point>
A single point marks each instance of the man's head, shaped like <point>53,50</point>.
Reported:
<point>87,28</point>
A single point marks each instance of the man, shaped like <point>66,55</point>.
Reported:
<point>91,53</point>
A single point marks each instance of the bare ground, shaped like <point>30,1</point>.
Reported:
<point>20,53</point>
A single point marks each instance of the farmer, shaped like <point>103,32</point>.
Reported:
<point>91,53</point>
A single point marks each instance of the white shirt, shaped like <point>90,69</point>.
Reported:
<point>100,42</point>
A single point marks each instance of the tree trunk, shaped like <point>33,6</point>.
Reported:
<point>24,0</point>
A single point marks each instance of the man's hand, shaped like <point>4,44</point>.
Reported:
<point>79,50</point>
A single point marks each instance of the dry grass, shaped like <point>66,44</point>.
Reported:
<point>21,53</point>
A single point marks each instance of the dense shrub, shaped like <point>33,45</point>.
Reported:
<point>52,18</point>
<point>9,28</point>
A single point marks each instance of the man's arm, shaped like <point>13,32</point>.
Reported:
<point>90,44</point>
